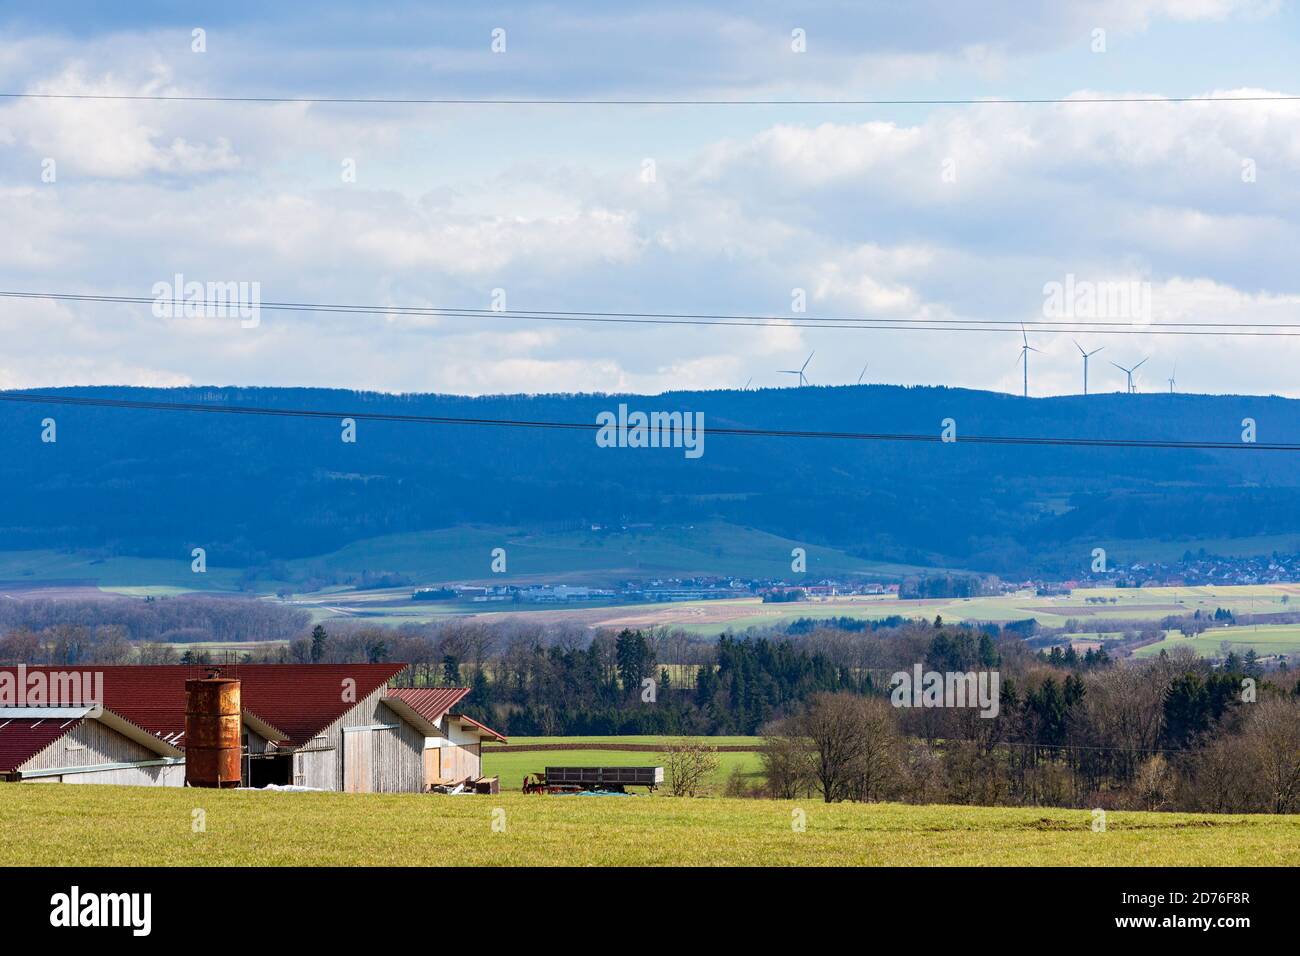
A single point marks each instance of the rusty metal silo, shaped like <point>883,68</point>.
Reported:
<point>212,732</point>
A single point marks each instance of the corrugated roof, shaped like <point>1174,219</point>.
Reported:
<point>22,738</point>
<point>432,702</point>
<point>304,699</point>
<point>429,702</point>
<point>301,700</point>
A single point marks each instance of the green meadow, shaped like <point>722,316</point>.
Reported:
<point>512,767</point>
<point>156,826</point>
<point>1264,639</point>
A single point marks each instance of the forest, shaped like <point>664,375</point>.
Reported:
<point>254,489</point>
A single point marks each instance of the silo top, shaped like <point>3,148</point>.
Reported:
<point>211,696</point>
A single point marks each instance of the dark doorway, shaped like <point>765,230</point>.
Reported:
<point>267,770</point>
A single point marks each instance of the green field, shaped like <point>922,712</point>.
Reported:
<point>463,554</point>
<point>147,826</point>
<point>136,576</point>
<point>512,767</point>
<point>1266,639</point>
<point>707,547</point>
<point>659,739</point>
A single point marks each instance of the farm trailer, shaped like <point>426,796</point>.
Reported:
<point>593,779</point>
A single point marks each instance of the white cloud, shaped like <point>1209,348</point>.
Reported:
<point>108,138</point>
<point>857,213</point>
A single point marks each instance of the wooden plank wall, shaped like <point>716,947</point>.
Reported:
<point>90,742</point>
<point>397,763</point>
<point>458,761</point>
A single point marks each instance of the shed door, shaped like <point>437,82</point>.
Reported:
<point>358,759</point>
<point>430,766</point>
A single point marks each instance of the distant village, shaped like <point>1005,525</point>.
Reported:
<point>1194,570</point>
<point>653,590</point>
<point>1200,569</point>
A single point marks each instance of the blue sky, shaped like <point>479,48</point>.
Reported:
<point>850,204</point>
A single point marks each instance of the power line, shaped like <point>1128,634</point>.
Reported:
<point>511,101</point>
<point>75,400</point>
<point>877,323</point>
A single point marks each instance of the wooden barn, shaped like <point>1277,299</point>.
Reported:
<point>453,743</point>
<point>78,745</point>
<point>323,726</point>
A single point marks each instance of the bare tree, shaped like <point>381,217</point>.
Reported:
<point>787,761</point>
<point>1225,777</point>
<point>1153,786</point>
<point>854,742</point>
<point>1273,732</point>
<point>876,772</point>
<point>690,764</point>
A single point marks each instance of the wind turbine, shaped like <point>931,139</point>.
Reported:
<point>803,379</point>
<point>862,373</point>
<point>1129,372</point>
<point>1086,356</point>
<point>1024,355</point>
<point>746,388</point>
<point>1172,380</point>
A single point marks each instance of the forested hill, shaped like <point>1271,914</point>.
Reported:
<point>140,481</point>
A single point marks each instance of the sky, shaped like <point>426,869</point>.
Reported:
<point>904,212</point>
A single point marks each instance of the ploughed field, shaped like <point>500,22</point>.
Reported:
<point>98,825</point>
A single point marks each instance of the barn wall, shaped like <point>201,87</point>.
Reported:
<point>396,755</point>
<point>89,743</point>
<point>458,762</point>
<point>454,755</point>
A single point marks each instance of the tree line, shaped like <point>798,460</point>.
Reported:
<point>1171,732</point>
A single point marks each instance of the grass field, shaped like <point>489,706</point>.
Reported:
<point>124,826</point>
<point>707,547</point>
<point>1266,639</point>
<point>136,576</point>
<point>512,767</point>
<point>463,554</point>
<point>660,739</point>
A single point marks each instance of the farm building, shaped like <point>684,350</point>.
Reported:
<point>76,745</point>
<point>454,748</point>
<point>324,726</point>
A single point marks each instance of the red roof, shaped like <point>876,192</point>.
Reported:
<point>299,699</point>
<point>304,699</point>
<point>21,738</point>
<point>432,702</point>
<point>429,702</point>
